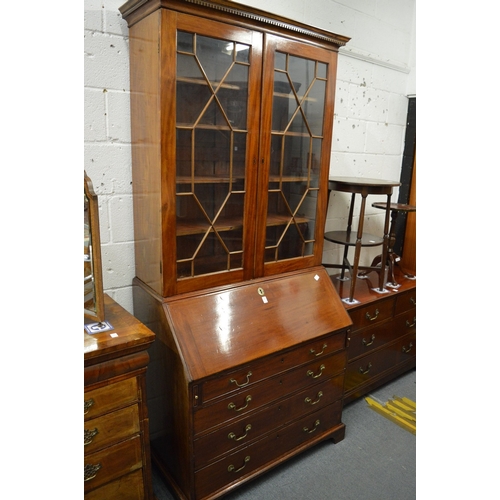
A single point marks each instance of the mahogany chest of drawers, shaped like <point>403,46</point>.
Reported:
<point>116,434</point>
<point>243,377</point>
<point>382,341</point>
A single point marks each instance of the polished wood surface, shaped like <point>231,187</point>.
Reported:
<point>382,339</point>
<point>116,437</point>
<point>233,341</point>
<point>228,362</point>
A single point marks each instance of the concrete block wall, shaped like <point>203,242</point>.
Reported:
<point>376,74</point>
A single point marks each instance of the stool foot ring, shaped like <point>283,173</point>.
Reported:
<point>350,302</point>
<point>393,285</point>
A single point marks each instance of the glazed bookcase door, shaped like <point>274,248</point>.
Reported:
<point>216,139</point>
<point>298,97</point>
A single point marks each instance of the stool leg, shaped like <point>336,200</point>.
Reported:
<point>346,247</point>
<point>385,244</point>
<point>357,251</point>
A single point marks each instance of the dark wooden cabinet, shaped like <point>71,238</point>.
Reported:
<point>116,427</point>
<point>243,377</point>
<point>232,117</point>
<point>382,340</point>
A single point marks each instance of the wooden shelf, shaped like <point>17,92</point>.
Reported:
<point>208,179</point>
<point>193,226</point>
<point>202,81</point>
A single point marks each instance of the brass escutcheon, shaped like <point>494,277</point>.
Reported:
<point>249,374</point>
<point>310,373</point>
<point>89,436</point>
<point>232,435</point>
<point>232,469</point>
<point>91,471</point>
<point>232,406</point>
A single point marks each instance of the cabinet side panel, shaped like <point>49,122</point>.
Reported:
<point>146,175</point>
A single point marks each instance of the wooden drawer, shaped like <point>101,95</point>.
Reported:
<point>110,397</point>
<point>111,428</point>
<point>405,301</point>
<point>235,466</point>
<point>362,370</point>
<point>368,339</point>
<point>258,395</point>
<point>129,487</point>
<point>111,463</point>
<point>407,348</point>
<point>372,314</point>
<point>250,427</point>
<point>264,368</point>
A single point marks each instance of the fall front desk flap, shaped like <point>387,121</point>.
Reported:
<point>220,330</point>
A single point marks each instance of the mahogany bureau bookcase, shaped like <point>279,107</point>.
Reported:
<point>116,428</point>
<point>232,122</point>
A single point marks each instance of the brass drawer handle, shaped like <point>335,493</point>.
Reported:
<point>310,373</point>
<point>309,431</point>
<point>413,301</point>
<point>312,351</point>
<point>232,406</point>
<point>372,339</point>
<point>311,402</point>
<point>249,374</point>
<point>89,436</point>
<point>232,469</point>
<point>405,350</point>
<point>372,318</point>
<point>232,435</point>
<point>86,406</point>
<point>91,471</point>
<point>364,372</point>
<point>411,325</point>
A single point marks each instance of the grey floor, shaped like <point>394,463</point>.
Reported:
<point>375,461</point>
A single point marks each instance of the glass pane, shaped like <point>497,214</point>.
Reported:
<point>212,113</point>
<point>296,141</point>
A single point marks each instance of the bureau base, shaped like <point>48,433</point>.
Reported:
<point>243,377</point>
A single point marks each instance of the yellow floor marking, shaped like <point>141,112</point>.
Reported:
<point>405,419</point>
<point>402,406</point>
<point>409,402</point>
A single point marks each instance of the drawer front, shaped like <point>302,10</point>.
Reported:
<point>372,314</point>
<point>366,340</point>
<point>405,301</point>
<point>110,397</point>
<point>364,369</point>
<point>248,428</point>
<point>129,487</point>
<point>234,467</point>
<point>111,428</point>
<point>111,463</point>
<point>407,348</point>
<point>405,323</point>
<point>258,395</point>
<point>264,368</point>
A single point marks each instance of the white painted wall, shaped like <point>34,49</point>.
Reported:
<point>376,73</point>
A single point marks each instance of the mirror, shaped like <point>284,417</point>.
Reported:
<point>93,295</point>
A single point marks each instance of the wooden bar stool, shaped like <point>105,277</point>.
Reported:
<point>393,259</point>
<point>363,187</point>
